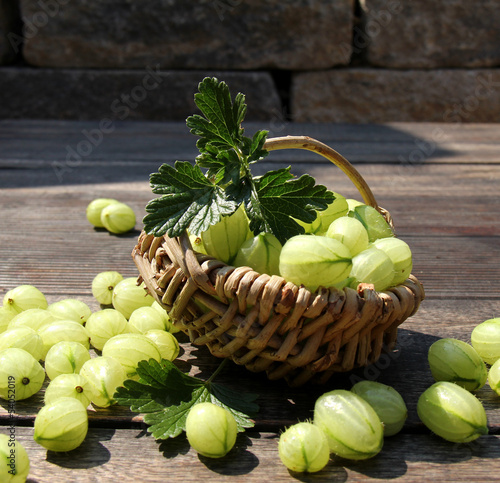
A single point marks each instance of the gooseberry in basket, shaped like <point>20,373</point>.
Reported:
<point>211,430</point>
<point>324,218</point>
<point>372,266</point>
<point>314,261</point>
<point>350,232</point>
<point>303,447</point>
<point>456,361</point>
<point>400,254</point>
<point>375,224</point>
<point>352,427</point>
<point>452,412</point>
<point>260,253</point>
<point>61,425</point>
<point>223,240</point>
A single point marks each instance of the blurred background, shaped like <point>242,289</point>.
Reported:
<point>340,61</point>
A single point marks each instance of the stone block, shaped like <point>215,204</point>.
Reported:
<point>149,94</point>
<point>188,34</point>
<point>367,95</point>
<point>10,30</point>
<point>429,34</point>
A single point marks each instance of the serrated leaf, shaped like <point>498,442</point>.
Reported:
<point>279,197</point>
<point>171,421</point>
<point>254,148</point>
<point>223,167</point>
<point>241,405</point>
<point>221,126</point>
<point>189,200</point>
<point>165,395</point>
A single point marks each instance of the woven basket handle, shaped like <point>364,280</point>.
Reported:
<point>192,264</point>
<point>310,144</point>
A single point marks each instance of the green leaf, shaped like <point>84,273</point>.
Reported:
<point>221,126</point>
<point>189,200</point>
<point>165,395</point>
<point>240,404</point>
<point>171,421</point>
<point>195,201</point>
<point>254,148</point>
<point>279,197</point>
<point>223,167</point>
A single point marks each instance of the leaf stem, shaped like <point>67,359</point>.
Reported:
<point>216,372</point>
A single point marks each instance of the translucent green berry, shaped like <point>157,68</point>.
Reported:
<point>303,447</point>
<point>387,403</point>
<point>456,361</point>
<point>452,412</point>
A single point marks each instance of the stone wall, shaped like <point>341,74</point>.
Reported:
<point>348,61</point>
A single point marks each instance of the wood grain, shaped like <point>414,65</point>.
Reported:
<point>109,455</point>
<point>445,206</point>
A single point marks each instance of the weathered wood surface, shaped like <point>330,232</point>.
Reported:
<point>445,206</point>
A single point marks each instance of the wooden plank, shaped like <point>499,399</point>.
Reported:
<point>406,369</point>
<point>129,455</point>
<point>452,249</point>
<point>399,143</point>
<point>448,213</point>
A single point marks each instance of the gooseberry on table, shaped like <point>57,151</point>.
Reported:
<point>211,430</point>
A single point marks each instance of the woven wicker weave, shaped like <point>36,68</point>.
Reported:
<point>265,322</point>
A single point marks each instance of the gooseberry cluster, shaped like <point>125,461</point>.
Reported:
<point>351,424</point>
<point>39,340</point>
<point>448,407</point>
<point>347,244</point>
<point>111,214</point>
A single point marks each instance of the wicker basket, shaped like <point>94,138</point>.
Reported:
<point>266,323</point>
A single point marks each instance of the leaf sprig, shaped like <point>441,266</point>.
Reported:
<point>165,396</point>
<point>192,199</point>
